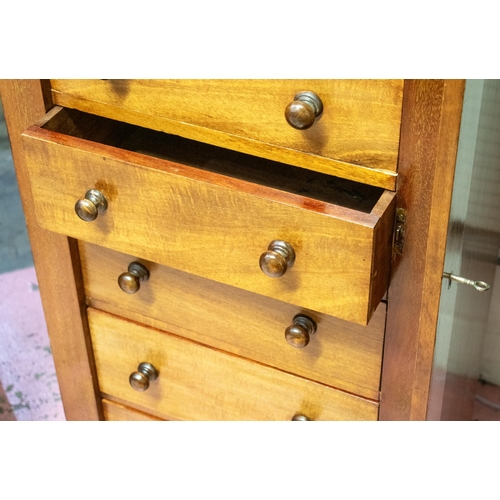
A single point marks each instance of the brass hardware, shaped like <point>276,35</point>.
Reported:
<point>130,282</point>
<point>300,418</point>
<point>399,236</point>
<point>280,257</point>
<point>480,286</point>
<point>303,111</point>
<point>93,204</point>
<point>145,374</point>
<point>299,333</point>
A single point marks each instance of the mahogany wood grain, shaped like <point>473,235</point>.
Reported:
<point>356,136</point>
<point>213,225</point>
<point>341,354</point>
<point>429,140</point>
<point>200,383</point>
<point>56,263</point>
<point>117,412</point>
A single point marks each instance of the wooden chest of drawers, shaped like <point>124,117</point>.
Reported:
<point>261,225</point>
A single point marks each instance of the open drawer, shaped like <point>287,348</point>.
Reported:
<point>214,212</point>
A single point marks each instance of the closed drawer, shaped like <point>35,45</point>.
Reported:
<point>213,213</point>
<point>340,354</point>
<point>199,383</point>
<point>355,137</point>
<point>117,412</point>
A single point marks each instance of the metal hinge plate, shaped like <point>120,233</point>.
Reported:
<point>399,231</point>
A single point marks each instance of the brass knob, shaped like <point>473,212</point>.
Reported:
<point>130,282</point>
<point>303,111</point>
<point>300,418</point>
<point>299,333</point>
<point>93,204</point>
<point>280,257</point>
<point>145,374</point>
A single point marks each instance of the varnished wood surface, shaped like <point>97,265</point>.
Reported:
<point>341,354</point>
<point>117,412</point>
<point>55,258</point>
<point>429,138</point>
<point>213,225</point>
<point>356,136</point>
<point>199,383</point>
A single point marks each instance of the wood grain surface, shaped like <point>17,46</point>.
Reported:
<point>56,262</point>
<point>341,354</point>
<point>200,383</point>
<point>213,225</point>
<point>356,137</point>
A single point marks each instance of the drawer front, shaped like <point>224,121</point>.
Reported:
<point>340,354</point>
<point>117,412</point>
<point>355,137</point>
<point>215,226</point>
<point>199,383</point>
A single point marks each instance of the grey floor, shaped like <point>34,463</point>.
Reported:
<point>15,251</point>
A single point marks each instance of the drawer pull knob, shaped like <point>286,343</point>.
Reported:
<point>145,374</point>
<point>130,282</point>
<point>279,257</point>
<point>300,418</point>
<point>299,333</point>
<point>93,204</point>
<point>303,111</point>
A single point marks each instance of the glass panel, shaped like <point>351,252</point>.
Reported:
<point>472,252</point>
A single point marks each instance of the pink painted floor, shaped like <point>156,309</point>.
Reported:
<point>28,383</point>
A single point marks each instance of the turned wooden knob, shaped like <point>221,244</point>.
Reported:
<point>280,257</point>
<point>300,418</point>
<point>303,111</point>
<point>93,204</point>
<point>145,374</point>
<point>298,334</point>
<point>130,282</point>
